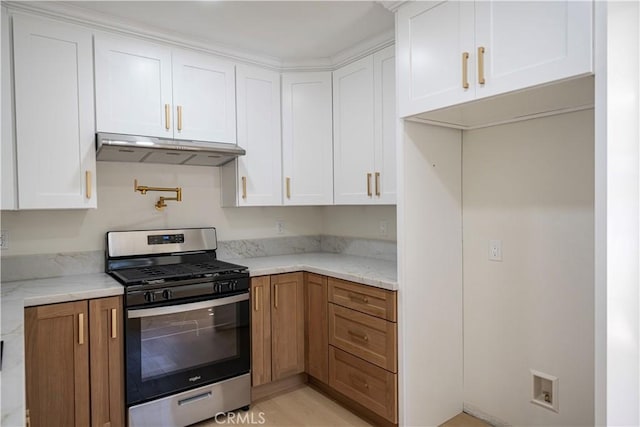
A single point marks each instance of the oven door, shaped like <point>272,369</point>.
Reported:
<point>180,346</point>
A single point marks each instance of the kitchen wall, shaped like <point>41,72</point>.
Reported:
<point>530,185</point>
<point>120,208</point>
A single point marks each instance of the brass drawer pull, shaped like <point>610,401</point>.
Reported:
<point>288,188</point>
<point>359,298</point>
<point>465,70</point>
<point>481,79</point>
<point>167,116</point>
<point>244,187</point>
<point>88,181</point>
<point>378,184</point>
<point>114,323</point>
<point>179,117</point>
<point>358,335</point>
<point>369,185</point>
<point>80,328</point>
<point>275,296</point>
<point>256,304</point>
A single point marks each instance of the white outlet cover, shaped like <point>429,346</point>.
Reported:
<point>4,239</point>
<point>544,384</point>
<point>280,227</point>
<point>495,250</point>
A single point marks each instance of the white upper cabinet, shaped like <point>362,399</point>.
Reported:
<point>8,156</point>
<point>256,178</point>
<point>452,52</point>
<point>133,87</point>
<point>364,130</point>
<point>54,114</point>
<point>147,89</point>
<point>203,98</point>
<point>307,144</point>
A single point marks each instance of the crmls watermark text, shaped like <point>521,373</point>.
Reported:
<point>240,418</point>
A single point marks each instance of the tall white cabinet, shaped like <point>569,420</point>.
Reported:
<point>148,89</point>
<point>364,130</point>
<point>452,52</point>
<point>9,196</point>
<point>256,178</point>
<point>55,129</point>
<point>307,151</point>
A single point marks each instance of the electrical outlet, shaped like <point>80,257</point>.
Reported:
<point>495,250</point>
<point>383,227</point>
<point>4,239</point>
<point>280,227</point>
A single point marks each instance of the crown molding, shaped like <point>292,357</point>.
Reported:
<point>392,5</point>
<point>67,12</point>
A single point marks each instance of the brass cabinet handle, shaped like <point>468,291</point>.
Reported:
<point>369,185</point>
<point>465,70</point>
<point>28,419</point>
<point>275,296</point>
<point>80,328</point>
<point>288,188</point>
<point>378,184</point>
<point>359,298</point>
<point>114,323</point>
<point>256,306</point>
<point>481,79</point>
<point>87,178</point>
<point>244,187</point>
<point>179,117</point>
<point>360,336</point>
<point>167,116</point>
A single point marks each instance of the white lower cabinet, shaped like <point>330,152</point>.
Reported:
<point>307,143</point>
<point>255,179</point>
<point>364,130</point>
<point>54,114</point>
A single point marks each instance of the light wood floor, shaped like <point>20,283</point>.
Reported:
<point>307,407</point>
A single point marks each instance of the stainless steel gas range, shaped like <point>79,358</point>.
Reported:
<point>187,326</point>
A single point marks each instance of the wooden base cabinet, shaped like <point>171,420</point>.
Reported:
<point>74,364</point>
<point>277,326</point>
<point>316,327</point>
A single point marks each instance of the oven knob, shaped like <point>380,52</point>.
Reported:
<point>149,296</point>
<point>233,285</point>
<point>216,288</point>
<point>167,294</point>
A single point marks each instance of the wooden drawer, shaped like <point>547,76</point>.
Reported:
<point>367,384</point>
<point>371,338</point>
<point>367,299</point>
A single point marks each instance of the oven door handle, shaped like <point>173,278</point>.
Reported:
<point>181,308</point>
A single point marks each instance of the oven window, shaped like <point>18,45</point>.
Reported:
<point>178,342</point>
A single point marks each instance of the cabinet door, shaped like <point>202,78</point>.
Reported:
<point>54,114</point>
<point>133,87</point>
<point>107,367</point>
<point>287,325</point>
<point>317,327</point>
<point>307,143</point>
<point>203,98</point>
<point>260,170</point>
<point>529,43</point>
<point>432,37</point>
<point>57,364</point>
<point>384,79</point>
<point>260,330</point>
<point>353,139</point>
<point>8,156</point>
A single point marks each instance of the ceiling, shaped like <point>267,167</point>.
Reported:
<point>287,30</point>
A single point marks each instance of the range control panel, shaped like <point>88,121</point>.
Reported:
<point>163,239</point>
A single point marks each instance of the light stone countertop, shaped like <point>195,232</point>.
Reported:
<point>20,294</point>
<point>368,271</point>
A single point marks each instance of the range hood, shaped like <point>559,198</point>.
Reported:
<point>113,147</point>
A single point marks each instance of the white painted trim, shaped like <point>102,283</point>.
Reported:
<point>503,122</point>
<point>392,5</point>
<point>70,13</point>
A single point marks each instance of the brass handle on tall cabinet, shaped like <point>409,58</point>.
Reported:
<point>481,79</point>
<point>244,187</point>
<point>369,185</point>
<point>167,116</point>
<point>179,117</point>
<point>87,178</point>
<point>465,70</point>
<point>378,184</point>
<point>114,323</point>
<point>288,188</point>
<point>80,328</point>
<point>275,296</point>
